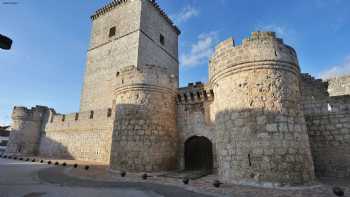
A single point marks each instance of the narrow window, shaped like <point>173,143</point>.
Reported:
<point>111,31</point>
<point>76,116</point>
<point>63,118</point>
<point>249,160</point>
<point>162,39</point>
<point>109,112</point>
<point>91,114</point>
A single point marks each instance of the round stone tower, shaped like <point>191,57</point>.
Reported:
<point>144,136</point>
<point>26,130</point>
<point>261,131</point>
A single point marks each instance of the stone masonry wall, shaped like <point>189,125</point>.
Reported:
<point>81,136</point>
<point>108,54</point>
<point>339,86</point>
<point>328,122</point>
<point>26,130</point>
<point>195,118</point>
<point>261,130</point>
<point>145,135</point>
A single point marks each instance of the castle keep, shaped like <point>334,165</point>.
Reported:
<point>257,121</point>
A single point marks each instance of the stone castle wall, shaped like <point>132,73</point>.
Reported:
<point>328,122</point>
<point>145,135</point>
<point>82,136</point>
<point>260,127</point>
<point>108,54</point>
<point>195,118</point>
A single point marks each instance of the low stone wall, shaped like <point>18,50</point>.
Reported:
<point>83,136</point>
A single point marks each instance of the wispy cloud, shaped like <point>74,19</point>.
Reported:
<point>337,70</point>
<point>201,50</point>
<point>185,14</point>
<point>287,34</point>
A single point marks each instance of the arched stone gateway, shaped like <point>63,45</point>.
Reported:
<point>198,154</point>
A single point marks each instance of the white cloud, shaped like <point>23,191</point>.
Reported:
<point>200,51</point>
<point>337,70</point>
<point>185,14</point>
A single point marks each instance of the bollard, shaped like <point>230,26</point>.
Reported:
<point>185,180</point>
<point>122,173</point>
<point>217,183</point>
<point>144,176</point>
<point>75,165</point>
<point>338,191</point>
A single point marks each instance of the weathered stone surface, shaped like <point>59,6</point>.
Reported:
<point>134,116</point>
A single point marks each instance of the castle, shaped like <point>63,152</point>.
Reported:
<point>257,121</point>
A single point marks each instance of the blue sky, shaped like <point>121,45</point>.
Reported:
<point>46,64</point>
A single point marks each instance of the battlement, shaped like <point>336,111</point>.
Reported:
<point>194,93</point>
<point>88,120</point>
<point>115,3</point>
<point>262,49</point>
<point>24,113</point>
<point>147,75</point>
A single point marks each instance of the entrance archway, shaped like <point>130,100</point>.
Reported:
<point>198,154</point>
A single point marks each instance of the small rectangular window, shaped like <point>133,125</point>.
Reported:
<point>76,116</point>
<point>91,114</point>
<point>112,31</point>
<point>162,39</point>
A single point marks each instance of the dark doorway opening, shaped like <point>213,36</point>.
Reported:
<point>198,154</point>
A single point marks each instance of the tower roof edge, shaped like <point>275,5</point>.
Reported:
<point>115,3</point>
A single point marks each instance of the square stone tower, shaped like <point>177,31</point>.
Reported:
<point>126,33</point>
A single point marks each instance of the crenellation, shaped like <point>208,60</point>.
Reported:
<point>257,121</point>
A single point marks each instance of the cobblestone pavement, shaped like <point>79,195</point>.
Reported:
<point>98,175</point>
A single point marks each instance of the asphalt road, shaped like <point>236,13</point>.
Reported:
<point>21,179</point>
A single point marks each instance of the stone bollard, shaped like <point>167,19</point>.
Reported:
<point>186,180</point>
<point>338,191</point>
<point>144,176</point>
<point>217,183</point>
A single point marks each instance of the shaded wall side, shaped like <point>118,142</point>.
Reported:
<point>194,119</point>
<point>328,122</point>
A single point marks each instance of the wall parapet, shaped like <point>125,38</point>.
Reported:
<point>260,50</point>
<point>195,93</point>
<point>115,3</point>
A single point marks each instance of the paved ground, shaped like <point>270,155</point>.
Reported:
<point>21,179</point>
<point>27,179</point>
